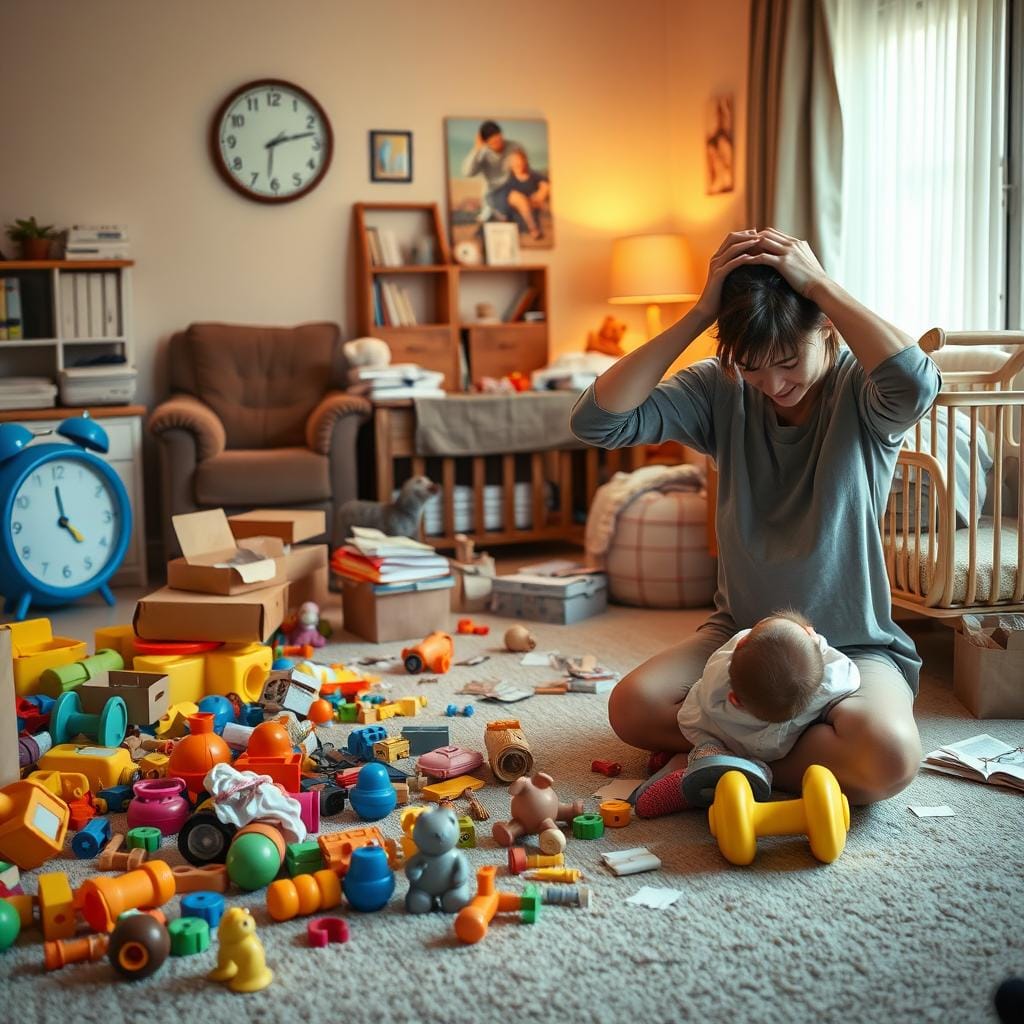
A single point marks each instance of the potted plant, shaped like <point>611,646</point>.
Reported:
<point>35,239</point>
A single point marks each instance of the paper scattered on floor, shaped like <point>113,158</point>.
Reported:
<point>655,897</point>
<point>542,658</point>
<point>934,812</point>
<point>495,690</point>
<point>617,789</point>
<point>631,862</point>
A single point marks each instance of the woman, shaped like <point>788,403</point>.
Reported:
<point>805,435</point>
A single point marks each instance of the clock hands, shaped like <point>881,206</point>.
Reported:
<point>281,137</point>
<point>63,520</point>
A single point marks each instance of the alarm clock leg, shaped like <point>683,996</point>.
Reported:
<point>107,594</point>
<point>20,606</point>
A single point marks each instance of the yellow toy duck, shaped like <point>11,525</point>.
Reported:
<point>240,959</point>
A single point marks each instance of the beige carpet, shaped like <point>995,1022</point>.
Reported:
<point>917,921</point>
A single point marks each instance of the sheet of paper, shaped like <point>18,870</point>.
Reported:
<point>617,789</point>
<point>933,812</point>
<point>655,897</point>
<point>542,658</point>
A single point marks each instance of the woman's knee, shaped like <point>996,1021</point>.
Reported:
<point>887,761</point>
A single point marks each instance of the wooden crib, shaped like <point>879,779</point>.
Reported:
<point>937,566</point>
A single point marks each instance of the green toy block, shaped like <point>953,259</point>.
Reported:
<point>303,858</point>
<point>467,833</point>
<point>144,837</point>
<point>530,904</point>
<point>189,935</point>
<point>348,712</point>
<point>588,826</point>
<point>55,681</point>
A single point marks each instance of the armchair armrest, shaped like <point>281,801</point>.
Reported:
<point>183,412</point>
<point>334,407</point>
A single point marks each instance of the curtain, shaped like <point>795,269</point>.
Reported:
<point>922,85</point>
<point>794,127</point>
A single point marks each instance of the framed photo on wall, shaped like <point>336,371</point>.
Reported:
<point>499,172</point>
<point>718,145</point>
<point>391,156</point>
<point>501,244</point>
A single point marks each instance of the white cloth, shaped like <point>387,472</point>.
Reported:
<point>254,801</point>
<point>706,715</point>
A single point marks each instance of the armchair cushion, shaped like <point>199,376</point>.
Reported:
<point>334,406</point>
<point>183,412</point>
<point>246,478</point>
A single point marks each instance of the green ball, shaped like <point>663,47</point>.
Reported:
<point>253,861</point>
<point>10,924</point>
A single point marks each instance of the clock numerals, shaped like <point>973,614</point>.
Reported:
<point>22,501</point>
<point>231,141</point>
<point>296,180</point>
<point>26,552</point>
<point>316,145</point>
<point>252,103</point>
<point>238,120</point>
<point>16,528</point>
<point>88,565</point>
<point>66,572</point>
<point>236,164</point>
<point>275,185</point>
<point>273,99</point>
<point>310,121</point>
<point>255,177</point>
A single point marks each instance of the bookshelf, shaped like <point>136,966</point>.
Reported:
<point>442,296</point>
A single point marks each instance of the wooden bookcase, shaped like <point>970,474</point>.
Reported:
<point>444,293</point>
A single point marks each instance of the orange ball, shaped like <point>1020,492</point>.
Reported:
<point>320,711</point>
<point>270,739</point>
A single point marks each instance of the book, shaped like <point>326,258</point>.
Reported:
<point>348,561</point>
<point>370,541</point>
<point>95,289</point>
<point>408,312</point>
<point>391,302</point>
<point>389,247</point>
<point>388,394</point>
<point>3,311</point>
<point>97,251</point>
<point>522,303</point>
<point>373,244</point>
<point>98,233</point>
<point>980,758</point>
<point>111,306</point>
<point>67,307</point>
<point>12,297</point>
<point>438,583</point>
<point>81,305</point>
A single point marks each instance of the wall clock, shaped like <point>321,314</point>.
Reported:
<point>65,516</point>
<point>271,141</point>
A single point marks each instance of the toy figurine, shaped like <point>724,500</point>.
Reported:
<point>240,959</point>
<point>400,518</point>
<point>535,809</point>
<point>305,631</point>
<point>438,873</point>
<point>607,338</point>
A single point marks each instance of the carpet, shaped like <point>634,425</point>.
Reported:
<point>918,920</point>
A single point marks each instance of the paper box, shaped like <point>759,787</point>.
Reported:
<point>291,690</point>
<point>382,616</point>
<point>560,600</point>
<point>291,525</point>
<point>990,682</point>
<point>214,562</point>
<point>473,584</point>
<point>180,615</point>
<point>146,694</point>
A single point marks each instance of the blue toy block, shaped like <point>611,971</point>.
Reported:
<point>90,840</point>
<point>252,714</point>
<point>117,798</point>
<point>361,741</point>
<point>209,906</point>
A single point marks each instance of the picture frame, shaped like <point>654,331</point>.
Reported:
<point>390,156</point>
<point>719,148</point>
<point>501,244</point>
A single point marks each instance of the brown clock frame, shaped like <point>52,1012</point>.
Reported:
<point>214,141</point>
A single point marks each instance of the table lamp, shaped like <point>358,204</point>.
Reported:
<point>652,269</point>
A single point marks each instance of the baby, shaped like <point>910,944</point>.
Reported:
<point>758,693</point>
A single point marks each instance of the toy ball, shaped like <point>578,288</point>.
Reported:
<point>519,638</point>
<point>320,712</point>
<point>373,797</point>
<point>221,708</point>
<point>10,924</point>
<point>253,861</point>
<point>138,946</point>
<point>270,739</point>
<point>282,664</point>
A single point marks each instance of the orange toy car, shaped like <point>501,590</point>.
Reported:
<point>433,653</point>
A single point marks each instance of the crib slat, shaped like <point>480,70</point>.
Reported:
<point>949,536</point>
<point>479,480</point>
<point>537,488</point>
<point>508,491</point>
<point>448,496</point>
<point>972,534</point>
<point>997,508</point>
<point>565,490</point>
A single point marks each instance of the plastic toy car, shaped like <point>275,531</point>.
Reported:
<point>447,762</point>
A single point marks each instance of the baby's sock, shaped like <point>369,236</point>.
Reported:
<point>662,793</point>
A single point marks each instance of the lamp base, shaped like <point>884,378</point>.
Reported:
<point>654,327</point>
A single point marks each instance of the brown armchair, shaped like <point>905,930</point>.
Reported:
<point>257,418</point>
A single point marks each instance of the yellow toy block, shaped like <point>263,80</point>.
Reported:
<point>186,674</point>
<point>102,766</point>
<point>175,723</point>
<point>36,649</point>
<point>238,668</point>
<point>394,748</point>
<point>56,906</point>
<point>409,707</point>
<point>154,765</point>
<point>367,714</point>
<point>116,638</point>
<point>386,711</point>
<point>450,789</point>
<point>408,820</point>
<point>67,785</point>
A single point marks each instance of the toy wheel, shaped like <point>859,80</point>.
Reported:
<point>827,812</point>
<point>204,839</point>
<point>113,723</point>
<point>731,818</point>
<point>413,663</point>
<point>68,704</point>
<point>139,946</point>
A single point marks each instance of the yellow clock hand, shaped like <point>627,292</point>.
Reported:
<point>63,521</point>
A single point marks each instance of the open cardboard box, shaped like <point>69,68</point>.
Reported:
<point>145,694</point>
<point>170,614</point>
<point>989,682</point>
<point>290,525</point>
<point>215,562</point>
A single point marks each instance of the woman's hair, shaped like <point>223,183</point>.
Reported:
<point>762,320</point>
<point>777,668</point>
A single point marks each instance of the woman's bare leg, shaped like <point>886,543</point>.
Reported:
<point>869,740</point>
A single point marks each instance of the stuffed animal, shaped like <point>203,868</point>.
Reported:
<point>364,354</point>
<point>240,959</point>
<point>608,338</point>
<point>306,631</point>
<point>535,811</point>
<point>400,518</point>
<point>438,873</point>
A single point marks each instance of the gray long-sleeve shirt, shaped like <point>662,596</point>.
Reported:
<point>798,506</point>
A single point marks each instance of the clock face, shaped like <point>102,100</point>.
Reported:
<point>65,522</point>
<point>272,141</point>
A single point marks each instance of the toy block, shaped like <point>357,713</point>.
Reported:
<point>303,858</point>
<point>56,905</point>
<point>116,638</point>
<point>208,878</point>
<point>91,839</point>
<point>285,770</point>
<point>348,712</point>
<point>409,707</point>
<point>337,847</point>
<point>68,786</point>
<point>391,749</point>
<point>239,668</point>
<point>116,798</point>
<point>175,723</point>
<point>36,649</point>
<point>102,766</point>
<point>450,788</point>
<point>467,833</point>
<point>361,741</point>
<point>154,765</point>
<point>425,738</point>
<point>10,876</point>
<point>290,690</point>
<point>366,714</point>
<point>186,674</point>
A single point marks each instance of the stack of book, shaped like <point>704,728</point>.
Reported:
<point>27,393</point>
<point>11,326</point>
<point>402,380</point>
<point>390,563</point>
<point>392,306</point>
<point>97,242</point>
<point>384,248</point>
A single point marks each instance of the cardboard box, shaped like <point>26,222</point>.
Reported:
<point>146,694</point>
<point>560,600</point>
<point>170,614</point>
<point>989,682</point>
<point>473,584</point>
<point>399,615</point>
<point>291,525</point>
<point>214,562</point>
<point>10,770</point>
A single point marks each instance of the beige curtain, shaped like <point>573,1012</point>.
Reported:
<point>794,126</point>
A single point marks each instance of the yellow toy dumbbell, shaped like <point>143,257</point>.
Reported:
<point>822,814</point>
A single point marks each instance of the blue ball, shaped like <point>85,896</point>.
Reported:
<point>222,710</point>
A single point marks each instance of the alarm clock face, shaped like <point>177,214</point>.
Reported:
<point>64,522</point>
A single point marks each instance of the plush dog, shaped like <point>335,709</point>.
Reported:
<point>401,518</point>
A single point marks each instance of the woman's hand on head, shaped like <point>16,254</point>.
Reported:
<point>791,257</point>
<point>736,250</point>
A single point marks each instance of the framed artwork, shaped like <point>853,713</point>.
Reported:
<point>390,156</point>
<point>718,145</point>
<point>499,172</point>
<point>501,244</point>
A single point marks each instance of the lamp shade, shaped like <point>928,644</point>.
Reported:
<point>652,269</point>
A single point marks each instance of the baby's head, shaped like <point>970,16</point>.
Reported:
<point>777,667</point>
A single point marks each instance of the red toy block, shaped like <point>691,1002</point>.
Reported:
<point>609,768</point>
<point>323,930</point>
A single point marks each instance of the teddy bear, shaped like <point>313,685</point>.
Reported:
<point>438,873</point>
<point>608,338</point>
<point>240,959</point>
<point>535,809</point>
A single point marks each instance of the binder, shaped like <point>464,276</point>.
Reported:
<point>3,310</point>
<point>95,286</point>
<point>67,306</point>
<point>81,305</point>
<point>12,293</point>
<point>111,306</point>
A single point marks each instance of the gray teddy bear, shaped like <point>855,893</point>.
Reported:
<point>439,873</point>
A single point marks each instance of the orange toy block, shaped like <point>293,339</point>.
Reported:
<point>337,847</point>
<point>33,824</point>
<point>56,905</point>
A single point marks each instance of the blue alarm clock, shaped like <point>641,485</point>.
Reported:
<point>66,519</point>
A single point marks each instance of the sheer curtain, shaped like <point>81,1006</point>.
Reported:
<point>922,87</point>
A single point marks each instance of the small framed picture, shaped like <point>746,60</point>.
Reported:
<point>501,244</point>
<point>390,156</point>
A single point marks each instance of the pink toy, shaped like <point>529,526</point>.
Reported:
<point>535,810</point>
<point>305,630</point>
<point>160,803</point>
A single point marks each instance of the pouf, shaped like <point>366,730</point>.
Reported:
<point>658,555</point>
